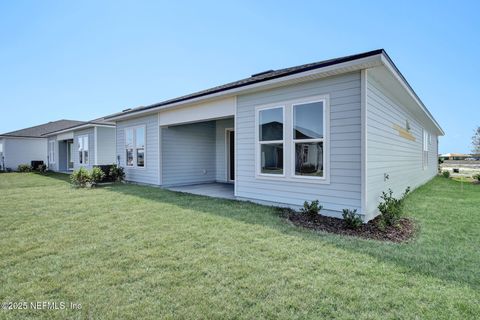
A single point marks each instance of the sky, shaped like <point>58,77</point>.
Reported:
<point>82,60</point>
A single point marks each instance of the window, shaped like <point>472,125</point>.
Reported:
<point>271,140</point>
<point>83,154</point>
<point>135,147</point>
<point>308,139</point>
<point>51,152</point>
<point>426,141</point>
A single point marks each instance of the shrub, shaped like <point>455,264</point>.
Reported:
<point>391,208</point>
<point>24,168</point>
<point>477,177</point>
<point>352,219</point>
<point>311,209</point>
<point>81,178</point>
<point>42,168</point>
<point>116,173</point>
<point>446,174</point>
<point>97,175</point>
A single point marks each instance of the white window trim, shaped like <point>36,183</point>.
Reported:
<point>84,163</point>
<point>51,153</point>
<point>425,149</point>
<point>294,141</point>
<point>258,143</point>
<point>134,166</point>
<point>288,175</point>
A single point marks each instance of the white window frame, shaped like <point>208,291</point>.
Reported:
<point>134,147</point>
<point>295,141</point>
<point>288,153</point>
<point>425,150</point>
<point>82,137</point>
<point>259,143</point>
<point>51,152</point>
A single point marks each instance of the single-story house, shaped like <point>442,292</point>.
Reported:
<point>340,131</point>
<point>29,144</point>
<point>86,144</point>
<point>454,156</point>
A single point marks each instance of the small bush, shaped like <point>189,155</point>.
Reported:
<point>391,208</point>
<point>97,175</point>
<point>477,177</point>
<point>24,168</point>
<point>42,168</point>
<point>81,178</point>
<point>311,209</point>
<point>446,174</point>
<point>116,173</point>
<point>352,219</point>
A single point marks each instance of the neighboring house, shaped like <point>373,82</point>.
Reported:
<point>454,156</point>
<point>29,144</point>
<point>83,145</point>
<point>340,131</point>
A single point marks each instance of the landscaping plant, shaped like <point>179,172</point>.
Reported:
<point>24,168</point>
<point>391,208</point>
<point>117,173</point>
<point>97,175</point>
<point>477,177</point>
<point>352,219</point>
<point>446,174</point>
<point>81,178</point>
<point>311,209</point>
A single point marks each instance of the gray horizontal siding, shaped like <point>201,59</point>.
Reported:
<point>344,190</point>
<point>106,147</point>
<point>389,153</point>
<point>149,174</point>
<point>188,154</point>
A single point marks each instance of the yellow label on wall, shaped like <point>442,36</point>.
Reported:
<point>402,132</point>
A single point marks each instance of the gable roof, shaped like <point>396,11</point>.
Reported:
<point>254,79</point>
<point>82,125</point>
<point>40,130</point>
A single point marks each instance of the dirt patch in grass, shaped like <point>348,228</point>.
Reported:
<point>403,231</point>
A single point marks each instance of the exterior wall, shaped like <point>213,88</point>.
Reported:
<point>91,148</point>
<point>150,173</point>
<point>2,146</point>
<point>18,151</point>
<point>221,168</point>
<point>344,188</point>
<point>390,154</point>
<point>188,153</point>
<point>106,148</point>
<point>62,155</point>
<point>52,165</point>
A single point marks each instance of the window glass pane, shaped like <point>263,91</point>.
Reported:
<point>85,156</point>
<point>308,121</point>
<point>271,124</point>
<point>80,143</point>
<point>129,138</point>
<point>140,137</point>
<point>309,159</point>
<point>271,158</point>
<point>129,157</point>
<point>80,156</point>
<point>140,157</point>
<point>85,143</point>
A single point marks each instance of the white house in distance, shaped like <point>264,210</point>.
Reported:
<point>29,144</point>
<point>86,144</point>
<point>340,131</point>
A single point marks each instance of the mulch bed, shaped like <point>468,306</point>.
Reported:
<point>403,231</point>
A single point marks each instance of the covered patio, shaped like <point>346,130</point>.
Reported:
<point>215,190</point>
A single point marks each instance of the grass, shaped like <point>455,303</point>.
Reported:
<point>132,252</point>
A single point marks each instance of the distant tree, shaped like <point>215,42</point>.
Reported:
<point>476,141</point>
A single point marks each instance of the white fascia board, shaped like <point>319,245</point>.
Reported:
<point>83,126</point>
<point>393,70</point>
<point>350,66</point>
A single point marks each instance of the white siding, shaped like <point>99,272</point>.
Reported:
<point>188,154</point>
<point>24,150</point>
<point>344,189</point>
<point>106,147</point>
<point>149,174</point>
<point>91,148</point>
<point>221,169</point>
<point>390,154</point>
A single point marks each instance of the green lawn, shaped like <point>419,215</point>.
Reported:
<point>132,252</point>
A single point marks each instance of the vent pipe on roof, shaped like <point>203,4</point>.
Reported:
<point>261,73</point>
<point>125,110</point>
